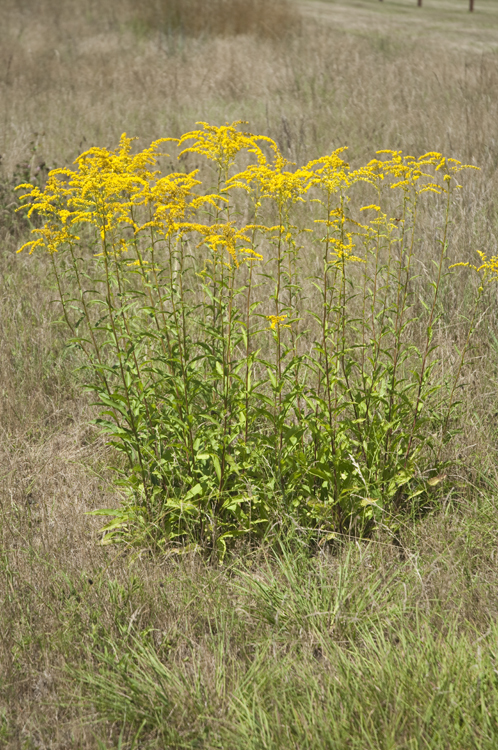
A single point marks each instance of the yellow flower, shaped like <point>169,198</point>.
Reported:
<point>410,173</point>
<point>338,237</point>
<point>276,321</point>
<point>488,268</point>
<point>273,179</point>
<point>50,237</point>
<point>227,236</point>
<point>332,174</point>
<point>219,144</point>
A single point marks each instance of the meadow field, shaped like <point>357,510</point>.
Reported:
<point>295,601</point>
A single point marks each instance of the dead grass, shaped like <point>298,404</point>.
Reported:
<point>199,18</point>
<point>348,75</point>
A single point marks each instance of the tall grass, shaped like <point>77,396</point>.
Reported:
<point>189,18</point>
<point>286,649</point>
<point>333,667</point>
<point>387,642</point>
<point>196,18</point>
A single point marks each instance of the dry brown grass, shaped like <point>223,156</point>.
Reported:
<point>221,17</point>
<point>78,74</point>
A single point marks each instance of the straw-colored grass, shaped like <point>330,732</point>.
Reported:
<point>378,645</point>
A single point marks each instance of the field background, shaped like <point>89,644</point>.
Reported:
<point>372,645</point>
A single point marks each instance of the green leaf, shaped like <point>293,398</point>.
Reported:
<point>193,492</point>
<point>216,464</point>
<point>433,481</point>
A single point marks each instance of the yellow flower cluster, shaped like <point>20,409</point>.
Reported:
<point>100,192</point>
<point>277,321</point>
<point>409,172</point>
<point>227,236</point>
<point>488,269</point>
<point>219,144</point>
<point>114,189</point>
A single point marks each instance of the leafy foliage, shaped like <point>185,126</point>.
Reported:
<point>249,333</point>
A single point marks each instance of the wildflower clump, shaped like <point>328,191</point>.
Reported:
<point>247,328</point>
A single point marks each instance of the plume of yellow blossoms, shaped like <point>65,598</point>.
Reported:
<point>108,186</point>
<point>488,269</point>
<point>101,192</point>
<point>277,321</point>
<point>219,144</point>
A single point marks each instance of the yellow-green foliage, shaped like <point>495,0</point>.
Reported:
<point>252,331</point>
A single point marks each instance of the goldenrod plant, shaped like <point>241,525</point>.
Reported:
<point>247,329</point>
